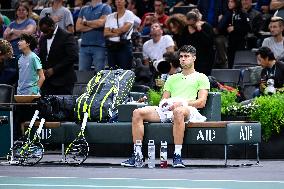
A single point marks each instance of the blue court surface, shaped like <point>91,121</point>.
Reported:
<point>107,173</point>
<point>79,183</point>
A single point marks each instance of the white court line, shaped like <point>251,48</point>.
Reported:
<point>54,177</point>
<point>114,179</point>
<point>241,181</point>
<point>97,186</point>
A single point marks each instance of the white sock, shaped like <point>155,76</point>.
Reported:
<point>137,149</point>
<point>178,149</point>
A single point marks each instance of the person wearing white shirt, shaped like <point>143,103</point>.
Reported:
<point>154,48</point>
<point>118,30</point>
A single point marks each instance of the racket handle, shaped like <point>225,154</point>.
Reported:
<point>35,116</point>
<point>38,131</point>
<point>85,119</point>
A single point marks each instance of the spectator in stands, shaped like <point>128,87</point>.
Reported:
<point>2,27</point>
<point>263,6</point>
<point>212,12</point>
<point>6,52</point>
<point>235,24</point>
<point>58,54</point>
<point>276,41</point>
<point>200,34</point>
<point>6,20</point>
<point>173,60</point>
<point>131,5</point>
<point>276,5</point>
<point>118,30</point>
<point>32,15</point>
<point>272,69</point>
<point>60,15</point>
<point>176,24</point>
<point>22,24</point>
<point>154,48</point>
<point>31,76</point>
<point>256,23</point>
<point>40,5</point>
<point>144,6</point>
<point>78,5</point>
<point>91,23</point>
<point>183,93</point>
<point>151,17</point>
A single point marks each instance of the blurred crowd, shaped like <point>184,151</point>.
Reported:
<point>132,34</point>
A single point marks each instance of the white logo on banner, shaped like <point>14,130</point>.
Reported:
<point>45,134</point>
<point>246,133</point>
<point>207,135</point>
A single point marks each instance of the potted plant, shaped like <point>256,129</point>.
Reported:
<point>270,113</point>
<point>154,97</point>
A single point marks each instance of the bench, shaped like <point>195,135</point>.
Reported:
<point>212,131</point>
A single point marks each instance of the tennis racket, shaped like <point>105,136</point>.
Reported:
<point>15,157</point>
<point>77,152</point>
<point>32,152</point>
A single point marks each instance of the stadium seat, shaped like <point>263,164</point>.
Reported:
<point>244,59</point>
<point>83,77</point>
<point>6,95</point>
<point>227,76</point>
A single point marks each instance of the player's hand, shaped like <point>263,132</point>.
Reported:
<point>175,105</point>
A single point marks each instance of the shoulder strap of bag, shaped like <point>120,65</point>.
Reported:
<point>118,26</point>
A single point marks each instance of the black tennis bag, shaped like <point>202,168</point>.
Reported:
<point>104,92</point>
<point>57,107</point>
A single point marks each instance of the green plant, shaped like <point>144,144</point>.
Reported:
<point>270,113</point>
<point>228,99</point>
<point>154,97</point>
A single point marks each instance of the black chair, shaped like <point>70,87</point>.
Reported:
<point>244,59</point>
<point>229,77</point>
<point>250,80</point>
<point>83,77</point>
<point>6,96</point>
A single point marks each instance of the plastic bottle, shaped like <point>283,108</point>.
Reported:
<point>151,154</point>
<point>164,155</point>
<point>138,154</point>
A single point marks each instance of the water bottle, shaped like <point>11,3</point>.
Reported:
<point>164,155</point>
<point>138,154</point>
<point>151,154</point>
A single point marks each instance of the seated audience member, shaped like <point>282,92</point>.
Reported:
<point>276,41</point>
<point>22,24</point>
<point>263,6</point>
<point>272,74</point>
<point>118,29</point>
<point>58,52</point>
<point>277,6</point>
<point>256,23</point>
<point>154,48</point>
<point>31,76</point>
<point>183,93</point>
<point>151,17</point>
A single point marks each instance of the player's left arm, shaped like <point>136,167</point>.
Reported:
<point>200,102</point>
